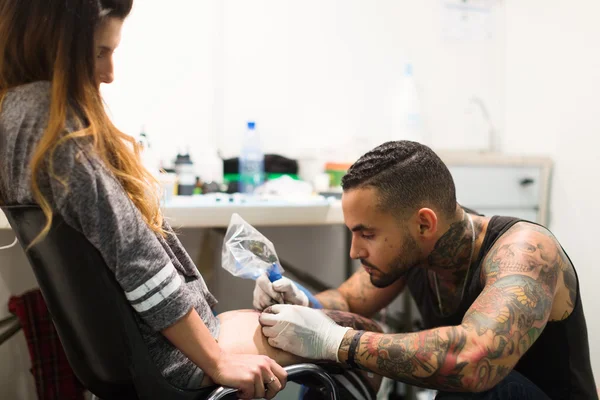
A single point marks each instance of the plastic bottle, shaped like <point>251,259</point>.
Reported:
<point>186,177</point>
<point>148,157</point>
<point>209,166</point>
<point>410,123</point>
<point>252,170</point>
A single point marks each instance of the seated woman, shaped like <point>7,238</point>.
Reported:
<point>58,149</point>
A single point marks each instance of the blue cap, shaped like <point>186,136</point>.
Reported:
<point>251,124</point>
<point>274,275</point>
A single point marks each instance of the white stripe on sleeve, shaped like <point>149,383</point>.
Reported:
<point>151,283</point>
<point>159,296</point>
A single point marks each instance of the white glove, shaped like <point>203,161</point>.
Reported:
<point>303,331</point>
<point>284,290</point>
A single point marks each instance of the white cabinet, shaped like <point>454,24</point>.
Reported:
<point>494,184</point>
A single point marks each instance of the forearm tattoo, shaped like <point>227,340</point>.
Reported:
<point>333,300</point>
<point>521,275</point>
<point>353,321</point>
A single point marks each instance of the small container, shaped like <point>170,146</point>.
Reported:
<point>184,167</point>
<point>336,172</point>
<point>321,182</point>
<point>168,185</point>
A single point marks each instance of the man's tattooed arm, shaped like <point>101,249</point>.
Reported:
<point>353,321</point>
<point>358,295</point>
<point>333,300</point>
<point>520,273</point>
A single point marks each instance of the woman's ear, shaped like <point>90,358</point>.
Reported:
<point>428,223</point>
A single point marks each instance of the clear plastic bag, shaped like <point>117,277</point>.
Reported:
<point>247,253</point>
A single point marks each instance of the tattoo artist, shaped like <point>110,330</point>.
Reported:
<point>499,296</point>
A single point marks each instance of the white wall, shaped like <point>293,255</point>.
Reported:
<point>165,73</point>
<point>552,85</point>
<point>310,72</point>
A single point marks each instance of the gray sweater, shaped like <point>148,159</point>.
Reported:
<point>156,274</point>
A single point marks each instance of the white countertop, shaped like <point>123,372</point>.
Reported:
<point>208,211</point>
<point>201,212</point>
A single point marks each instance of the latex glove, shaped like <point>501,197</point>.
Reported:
<point>303,331</point>
<point>284,290</point>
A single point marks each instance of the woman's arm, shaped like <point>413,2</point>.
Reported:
<point>191,336</point>
<point>248,372</point>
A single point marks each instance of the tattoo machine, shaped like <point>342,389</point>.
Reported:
<point>247,253</point>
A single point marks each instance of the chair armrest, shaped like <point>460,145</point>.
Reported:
<point>296,373</point>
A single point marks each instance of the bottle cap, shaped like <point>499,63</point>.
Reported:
<point>183,159</point>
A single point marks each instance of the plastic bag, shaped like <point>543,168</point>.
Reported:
<point>247,253</point>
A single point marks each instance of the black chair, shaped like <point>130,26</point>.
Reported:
<point>96,324</point>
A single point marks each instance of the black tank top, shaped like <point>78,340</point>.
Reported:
<point>558,362</point>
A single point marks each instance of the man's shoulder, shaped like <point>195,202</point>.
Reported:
<point>524,230</point>
<point>524,247</point>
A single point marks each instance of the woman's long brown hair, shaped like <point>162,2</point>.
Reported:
<point>53,41</point>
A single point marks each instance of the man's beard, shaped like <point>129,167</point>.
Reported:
<point>408,258</point>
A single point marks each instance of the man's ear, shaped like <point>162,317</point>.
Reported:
<point>428,223</point>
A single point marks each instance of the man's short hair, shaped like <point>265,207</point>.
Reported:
<point>407,175</point>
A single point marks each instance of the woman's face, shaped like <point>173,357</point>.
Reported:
<point>107,39</point>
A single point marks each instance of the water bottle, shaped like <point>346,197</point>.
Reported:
<point>252,169</point>
<point>408,121</point>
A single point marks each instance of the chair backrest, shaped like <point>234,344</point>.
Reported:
<point>94,321</point>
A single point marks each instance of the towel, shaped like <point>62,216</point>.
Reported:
<point>54,378</point>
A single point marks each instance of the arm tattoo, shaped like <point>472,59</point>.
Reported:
<point>510,314</point>
<point>571,284</point>
<point>521,273</point>
<point>353,292</point>
<point>514,310</point>
<point>353,321</point>
<point>428,359</point>
<point>562,261</point>
<point>333,300</point>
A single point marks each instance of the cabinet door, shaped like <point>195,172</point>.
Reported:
<point>497,187</point>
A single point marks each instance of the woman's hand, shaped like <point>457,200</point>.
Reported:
<point>254,376</point>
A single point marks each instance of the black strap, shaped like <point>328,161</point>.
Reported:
<point>352,350</point>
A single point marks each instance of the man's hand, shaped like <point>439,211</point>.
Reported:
<point>302,331</point>
<point>284,290</point>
